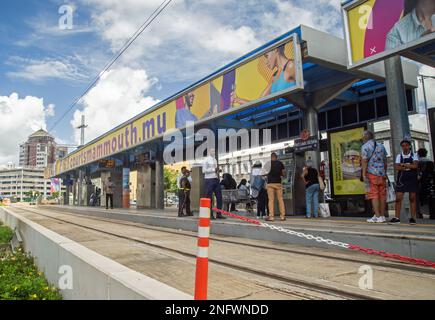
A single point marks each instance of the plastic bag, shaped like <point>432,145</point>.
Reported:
<point>324,210</point>
<point>391,192</point>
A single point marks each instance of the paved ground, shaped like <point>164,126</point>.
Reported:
<point>326,268</point>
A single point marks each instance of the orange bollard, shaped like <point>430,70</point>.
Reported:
<point>201,280</point>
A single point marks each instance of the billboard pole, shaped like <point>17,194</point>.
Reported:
<point>397,108</point>
<point>311,123</point>
<point>426,112</point>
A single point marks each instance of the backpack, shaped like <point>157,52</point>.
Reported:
<point>258,183</point>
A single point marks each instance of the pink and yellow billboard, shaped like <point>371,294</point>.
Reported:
<point>377,29</point>
<point>266,75</point>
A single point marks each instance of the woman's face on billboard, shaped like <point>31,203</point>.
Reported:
<point>271,58</point>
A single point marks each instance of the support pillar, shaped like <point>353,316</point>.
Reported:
<point>126,188</point>
<point>160,184</point>
<point>80,201</point>
<point>311,123</point>
<point>397,108</point>
<point>145,187</point>
<point>196,193</point>
<point>104,176</point>
<point>67,195</point>
<point>117,194</point>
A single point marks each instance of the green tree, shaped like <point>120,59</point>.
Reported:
<point>170,177</point>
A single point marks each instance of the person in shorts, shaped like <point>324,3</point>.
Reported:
<point>374,174</point>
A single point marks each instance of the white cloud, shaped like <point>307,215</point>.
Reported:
<point>68,68</point>
<point>119,96</point>
<point>20,117</point>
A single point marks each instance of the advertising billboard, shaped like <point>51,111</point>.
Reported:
<point>264,76</point>
<point>377,29</point>
<point>345,162</point>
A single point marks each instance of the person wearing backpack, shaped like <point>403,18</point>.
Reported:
<point>258,190</point>
<point>407,181</point>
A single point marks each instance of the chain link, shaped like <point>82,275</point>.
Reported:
<point>306,236</point>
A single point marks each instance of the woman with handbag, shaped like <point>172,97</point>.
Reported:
<point>407,181</point>
<point>310,176</point>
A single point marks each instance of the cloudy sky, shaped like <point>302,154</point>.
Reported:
<point>44,68</point>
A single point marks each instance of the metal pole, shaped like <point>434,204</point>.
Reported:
<point>427,116</point>
<point>397,108</point>
<point>160,187</point>
<point>82,128</point>
<point>312,124</point>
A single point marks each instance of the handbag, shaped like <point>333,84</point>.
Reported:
<point>321,184</point>
<point>368,161</point>
<point>391,192</point>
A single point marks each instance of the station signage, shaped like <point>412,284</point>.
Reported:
<point>345,161</point>
<point>378,29</point>
<point>306,142</point>
<point>261,76</point>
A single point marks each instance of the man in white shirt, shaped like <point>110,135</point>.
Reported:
<point>212,185</point>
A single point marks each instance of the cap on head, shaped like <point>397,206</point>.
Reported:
<point>406,139</point>
<point>368,135</point>
<point>309,163</point>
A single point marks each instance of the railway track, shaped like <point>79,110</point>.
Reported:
<point>385,264</point>
<point>306,285</point>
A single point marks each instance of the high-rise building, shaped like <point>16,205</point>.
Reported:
<point>40,150</point>
<point>17,182</point>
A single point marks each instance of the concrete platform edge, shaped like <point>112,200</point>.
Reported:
<point>93,276</point>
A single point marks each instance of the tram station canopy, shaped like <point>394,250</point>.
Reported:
<point>247,93</point>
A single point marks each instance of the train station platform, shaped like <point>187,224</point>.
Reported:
<point>416,241</point>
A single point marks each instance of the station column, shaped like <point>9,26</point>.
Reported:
<point>160,184</point>
<point>310,122</point>
<point>398,109</point>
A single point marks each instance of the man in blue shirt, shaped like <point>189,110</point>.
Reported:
<point>185,115</point>
<point>374,174</point>
<point>416,23</point>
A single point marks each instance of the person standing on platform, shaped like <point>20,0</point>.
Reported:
<point>274,187</point>
<point>311,177</point>
<point>228,183</point>
<point>212,185</point>
<point>407,180</point>
<point>425,175</point>
<point>258,190</point>
<point>179,191</point>
<point>185,187</point>
<point>109,190</point>
<point>374,175</point>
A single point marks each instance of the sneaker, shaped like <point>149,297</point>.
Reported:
<point>374,219</point>
<point>258,217</point>
<point>394,221</point>
<point>269,219</point>
<point>381,219</point>
<point>283,219</point>
<point>412,221</point>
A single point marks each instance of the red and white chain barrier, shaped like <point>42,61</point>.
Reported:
<point>330,242</point>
